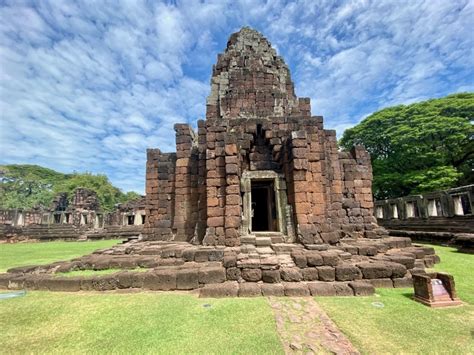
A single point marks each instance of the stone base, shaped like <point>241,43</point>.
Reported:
<point>353,267</point>
<point>439,304</point>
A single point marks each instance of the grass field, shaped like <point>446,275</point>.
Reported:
<point>405,326</point>
<point>43,322</point>
<point>22,254</point>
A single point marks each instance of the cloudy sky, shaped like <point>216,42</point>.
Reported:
<point>89,85</point>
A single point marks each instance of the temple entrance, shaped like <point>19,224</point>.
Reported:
<point>264,216</point>
<point>266,212</point>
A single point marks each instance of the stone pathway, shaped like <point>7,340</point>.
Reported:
<point>305,328</point>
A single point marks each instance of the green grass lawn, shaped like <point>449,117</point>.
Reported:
<point>97,272</point>
<point>165,323</point>
<point>22,254</point>
<point>405,326</point>
<point>146,322</point>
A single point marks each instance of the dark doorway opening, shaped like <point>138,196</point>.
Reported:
<point>263,206</point>
<point>130,220</point>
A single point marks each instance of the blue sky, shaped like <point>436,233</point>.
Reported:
<point>89,85</point>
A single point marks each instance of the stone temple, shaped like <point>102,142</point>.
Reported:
<point>260,168</point>
<point>258,201</point>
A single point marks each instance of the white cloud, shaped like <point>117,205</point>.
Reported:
<point>89,86</point>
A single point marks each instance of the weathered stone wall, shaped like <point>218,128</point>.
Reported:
<point>449,211</point>
<point>254,122</point>
<point>160,194</point>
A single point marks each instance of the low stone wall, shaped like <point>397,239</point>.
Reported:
<point>51,232</point>
<point>440,217</point>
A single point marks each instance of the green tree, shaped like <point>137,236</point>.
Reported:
<point>28,186</point>
<point>420,147</point>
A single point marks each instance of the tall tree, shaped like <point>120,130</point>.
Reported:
<point>420,147</point>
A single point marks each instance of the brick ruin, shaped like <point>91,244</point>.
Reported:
<point>258,201</point>
<point>258,163</point>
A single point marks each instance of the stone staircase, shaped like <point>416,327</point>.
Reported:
<point>263,238</point>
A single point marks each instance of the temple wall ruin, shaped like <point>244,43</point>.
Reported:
<point>441,216</point>
<point>255,123</point>
<point>81,218</point>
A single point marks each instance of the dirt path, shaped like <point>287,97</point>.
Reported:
<point>305,328</point>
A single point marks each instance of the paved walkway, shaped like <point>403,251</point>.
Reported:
<point>305,328</point>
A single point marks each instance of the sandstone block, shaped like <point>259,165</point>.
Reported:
<point>252,275</point>
<point>215,222</point>
<point>232,169</point>
<point>321,288</point>
<point>187,279</point>
<point>232,222</point>
<point>226,289</point>
<point>407,261</point>
<point>249,289</point>
<point>297,289</point>
<point>233,273</point>
<point>291,274</point>
<point>362,288</point>
<point>163,280</point>
<point>230,261</point>
<point>216,254</point>
<point>188,254</point>
<point>211,275</point>
<point>314,258</point>
<point>66,284</point>
<point>347,272</point>
<point>201,255</point>
<point>299,258</point>
<point>330,258</point>
<point>343,289</point>
<point>277,290</point>
<point>232,200</point>
<point>398,270</point>
<point>310,274</point>
<point>271,276</point>
<point>376,270</point>
<point>326,273</point>
<point>231,149</point>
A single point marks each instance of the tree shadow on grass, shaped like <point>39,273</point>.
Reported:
<point>408,295</point>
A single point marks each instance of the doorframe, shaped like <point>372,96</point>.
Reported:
<point>281,200</point>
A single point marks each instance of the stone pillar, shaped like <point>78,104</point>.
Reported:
<point>233,203</point>
<point>215,183</point>
<point>301,193</point>
<point>159,205</point>
<point>185,208</point>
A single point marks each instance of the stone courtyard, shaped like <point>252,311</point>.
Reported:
<point>258,201</point>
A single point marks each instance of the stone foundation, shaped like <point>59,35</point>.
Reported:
<point>351,268</point>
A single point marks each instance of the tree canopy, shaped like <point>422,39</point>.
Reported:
<point>421,147</point>
<point>28,186</point>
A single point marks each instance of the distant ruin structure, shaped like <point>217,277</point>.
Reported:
<point>73,217</point>
<point>260,168</point>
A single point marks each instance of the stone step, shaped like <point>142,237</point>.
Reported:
<point>248,239</point>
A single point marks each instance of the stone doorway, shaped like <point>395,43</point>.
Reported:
<point>265,205</point>
<point>264,215</point>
